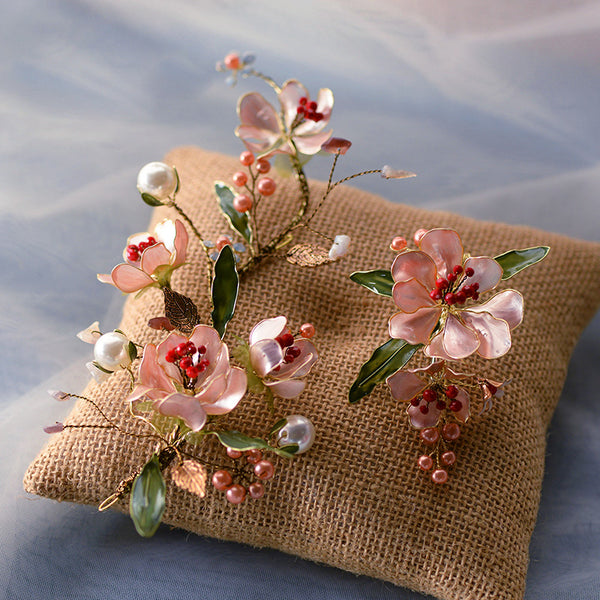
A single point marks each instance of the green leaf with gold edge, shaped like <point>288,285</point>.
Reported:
<point>514,261</point>
<point>178,184</point>
<point>379,281</point>
<point>132,351</point>
<point>238,221</point>
<point>277,426</point>
<point>240,441</point>
<point>224,290</point>
<point>150,200</point>
<point>385,361</point>
<point>286,451</point>
<point>147,501</point>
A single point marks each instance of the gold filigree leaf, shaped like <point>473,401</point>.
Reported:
<point>190,476</point>
<point>307,255</point>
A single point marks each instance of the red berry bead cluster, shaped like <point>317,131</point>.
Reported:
<point>266,186</point>
<point>290,352</point>
<point>236,493</point>
<point>134,252</point>
<point>440,457</point>
<point>308,110</point>
<point>443,398</point>
<point>450,289</point>
<point>188,359</point>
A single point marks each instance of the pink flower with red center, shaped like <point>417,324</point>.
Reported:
<point>279,359</point>
<point>437,288</point>
<point>150,259</point>
<point>190,378</point>
<point>431,391</point>
<point>299,126</point>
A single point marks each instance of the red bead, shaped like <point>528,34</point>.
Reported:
<point>222,479</point>
<point>430,436</point>
<point>424,408</point>
<point>318,117</point>
<point>185,362</point>
<point>132,247</point>
<point>451,391</point>
<point>475,286</point>
<point>263,165</point>
<point>450,298</point>
<point>441,283</point>
<point>451,431</point>
<point>264,469</point>
<point>181,349</point>
<point>415,401</point>
<point>191,348</point>
<point>300,110</point>
<point>475,296</point>
<point>192,372</point>
<point>448,458</point>
<point>440,405</point>
<point>151,240</point>
<point>246,158</point>
<point>256,490</point>
<point>455,405</point>
<point>307,330</point>
<point>461,297</point>
<point>266,186</point>
<point>232,61</point>
<point>451,277</point>
<point>312,105</point>
<point>236,494</point>
<point>232,453</point>
<point>469,272</point>
<point>435,294</point>
<point>294,351</point>
<point>201,349</point>
<point>253,456</point>
<point>429,395</point>
<point>457,269</point>
<point>240,178</point>
<point>170,356</point>
<point>425,462</point>
<point>285,340</point>
<point>303,101</point>
<point>242,203</point>
<point>439,476</point>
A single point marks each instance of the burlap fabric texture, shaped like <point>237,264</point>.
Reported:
<point>357,500</point>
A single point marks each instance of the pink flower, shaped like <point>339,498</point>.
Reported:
<point>436,289</point>
<point>279,359</point>
<point>190,378</point>
<point>297,127</point>
<point>150,259</point>
<point>431,391</point>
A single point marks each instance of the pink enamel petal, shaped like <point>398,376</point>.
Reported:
<point>219,366</point>
<point>181,242</point>
<point>139,391</point>
<point>405,386</point>
<point>290,388</point>
<point>257,140</point>
<point>151,373</point>
<point>421,421</point>
<point>325,103</point>
<point>204,335</point>
<point>212,391</point>
<point>435,348</point>
<point>414,265</point>
<point>464,413</point>
<point>488,272</point>
<point>172,340</point>
<point>265,355</point>
<point>290,95</point>
<point>130,279</point>
<point>311,144</point>
<point>459,341</point>
<point>255,111</point>
<point>185,407</point>
<point>415,328</point>
<point>236,388</point>
<point>154,257</point>
<point>444,247</point>
<point>507,305</point>
<point>268,329</point>
<point>411,295</point>
<point>493,334</point>
<point>302,364</point>
<point>105,278</point>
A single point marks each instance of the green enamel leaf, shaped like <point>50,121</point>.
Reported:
<point>277,426</point>
<point>132,351</point>
<point>147,501</point>
<point>237,221</point>
<point>178,185</point>
<point>514,261</point>
<point>224,290</point>
<point>287,451</point>
<point>379,281</point>
<point>385,361</point>
<point>150,200</point>
<point>239,441</point>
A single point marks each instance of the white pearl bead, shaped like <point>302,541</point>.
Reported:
<point>110,351</point>
<point>157,179</point>
<point>340,246</point>
<point>297,430</point>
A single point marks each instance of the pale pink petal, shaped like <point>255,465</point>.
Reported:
<point>185,407</point>
<point>105,278</point>
<point>488,272</point>
<point>493,334</point>
<point>172,340</point>
<point>204,335</point>
<point>414,265</point>
<point>325,103</point>
<point>255,111</point>
<point>290,388</point>
<point>181,242</point>
<point>405,386</point>
<point>290,95</point>
<point>415,327</point>
<point>265,355</point>
<point>302,364</point>
<point>136,238</point>
<point>144,390</point>
<point>421,421</point>
<point>411,295</point>
<point>268,329</point>
<point>258,140</point>
<point>229,399</point>
<point>507,305</point>
<point>151,374</point>
<point>459,341</point>
<point>432,369</point>
<point>464,413</point>
<point>435,348</point>
<point>130,279</point>
<point>311,144</point>
<point>444,247</point>
<point>213,389</point>
<point>154,257</point>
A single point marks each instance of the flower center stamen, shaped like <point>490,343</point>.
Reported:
<point>134,252</point>
<point>187,358</point>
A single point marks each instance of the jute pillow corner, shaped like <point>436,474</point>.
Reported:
<point>363,507</point>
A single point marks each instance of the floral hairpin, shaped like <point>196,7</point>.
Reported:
<point>437,290</point>
<point>180,387</point>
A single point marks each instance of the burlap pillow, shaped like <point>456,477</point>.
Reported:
<point>356,500</point>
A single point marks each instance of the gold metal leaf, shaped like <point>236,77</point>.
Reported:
<point>307,255</point>
<point>190,476</point>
